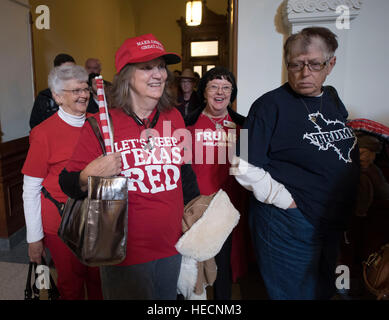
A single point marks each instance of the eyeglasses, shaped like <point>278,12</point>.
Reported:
<point>214,88</point>
<point>78,92</point>
<point>312,66</point>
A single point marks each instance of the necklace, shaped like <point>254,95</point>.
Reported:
<point>146,124</point>
<point>218,124</point>
<point>311,117</point>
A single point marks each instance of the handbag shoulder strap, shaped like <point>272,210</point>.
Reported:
<point>93,122</point>
<point>60,205</point>
<point>28,289</point>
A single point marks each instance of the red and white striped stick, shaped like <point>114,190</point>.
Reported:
<point>103,111</point>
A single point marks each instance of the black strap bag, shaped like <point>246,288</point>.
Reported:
<point>32,292</point>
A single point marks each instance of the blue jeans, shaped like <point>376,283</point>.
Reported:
<point>154,280</point>
<point>296,261</point>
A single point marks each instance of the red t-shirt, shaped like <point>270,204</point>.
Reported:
<point>155,199</point>
<point>214,175</point>
<point>51,145</point>
<point>211,149</point>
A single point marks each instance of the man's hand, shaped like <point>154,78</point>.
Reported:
<point>35,251</point>
<point>292,205</point>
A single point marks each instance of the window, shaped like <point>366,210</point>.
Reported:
<point>199,70</point>
<point>204,48</point>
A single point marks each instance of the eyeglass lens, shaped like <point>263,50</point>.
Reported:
<point>225,89</point>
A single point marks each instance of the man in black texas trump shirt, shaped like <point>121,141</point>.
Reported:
<point>302,166</point>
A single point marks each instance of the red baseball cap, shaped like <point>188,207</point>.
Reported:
<point>141,49</point>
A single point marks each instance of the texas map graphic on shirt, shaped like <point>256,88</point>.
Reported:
<point>331,135</point>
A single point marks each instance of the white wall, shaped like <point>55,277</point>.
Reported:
<point>16,81</point>
<point>259,50</point>
<point>362,58</point>
<point>366,80</point>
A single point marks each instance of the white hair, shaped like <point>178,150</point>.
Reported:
<point>59,75</point>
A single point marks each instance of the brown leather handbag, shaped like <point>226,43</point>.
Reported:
<point>376,273</point>
<point>95,228</point>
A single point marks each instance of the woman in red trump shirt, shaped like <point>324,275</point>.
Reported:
<point>215,128</point>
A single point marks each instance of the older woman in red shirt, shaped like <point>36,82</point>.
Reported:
<point>51,145</point>
<point>215,128</point>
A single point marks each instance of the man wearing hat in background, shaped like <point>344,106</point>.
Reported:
<point>187,98</point>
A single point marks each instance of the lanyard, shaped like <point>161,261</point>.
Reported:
<point>145,123</point>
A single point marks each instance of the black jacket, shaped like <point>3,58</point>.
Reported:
<point>93,107</point>
<point>193,104</point>
<point>44,107</point>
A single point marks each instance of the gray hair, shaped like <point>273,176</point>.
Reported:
<point>59,75</point>
<point>305,38</point>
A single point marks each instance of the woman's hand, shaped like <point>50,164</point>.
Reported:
<point>35,251</point>
<point>103,166</point>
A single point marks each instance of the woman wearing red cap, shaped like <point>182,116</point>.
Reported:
<point>149,154</point>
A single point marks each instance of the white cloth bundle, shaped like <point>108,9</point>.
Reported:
<point>207,235</point>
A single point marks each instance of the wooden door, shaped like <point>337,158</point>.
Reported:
<point>213,30</point>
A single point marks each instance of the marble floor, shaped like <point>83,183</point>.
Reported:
<point>13,272</point>
<point>14,269</point>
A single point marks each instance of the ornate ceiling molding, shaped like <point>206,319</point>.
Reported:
<point>318,11</point>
